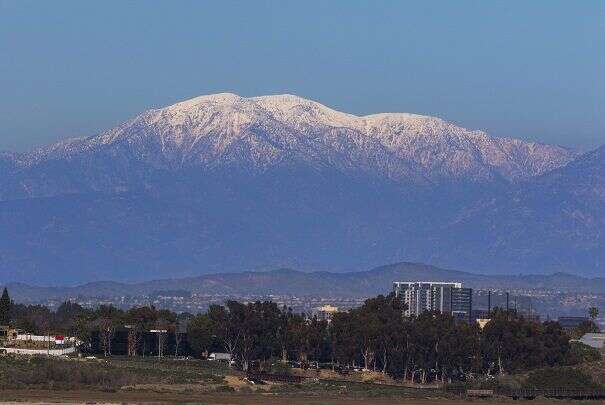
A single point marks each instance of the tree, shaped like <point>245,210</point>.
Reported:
<point>259,331</point>
<point>431,328</point>
<point>107,330</point>
<point>66,316</point>
<point>593,312</point>
<point>343,339</point>
<point>226,325</point>
<point>133,338</point>
<point>83,329</point>
<point>513,343</point>
<point>179,329</point>
<point>5,308</point>
<point>285,332</point>
<point>138,320</point>
<point>108,318</point>
<point>307,337</point>
<point>41,319</point>
<point>387,312</point>
<point>587,326</point>
<point>199,334</point>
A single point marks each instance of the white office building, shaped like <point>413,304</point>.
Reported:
<point>445,297</point>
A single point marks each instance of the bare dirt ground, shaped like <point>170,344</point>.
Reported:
<point>96,397</point>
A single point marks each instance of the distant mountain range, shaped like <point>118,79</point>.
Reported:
<point>318,284</point>
<point>223,183</point>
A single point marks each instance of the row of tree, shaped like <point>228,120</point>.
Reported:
<point>375,336</point>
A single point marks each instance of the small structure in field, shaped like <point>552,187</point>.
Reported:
<point>219,357</point>
<point>17,342</point>
<point>596,340</point>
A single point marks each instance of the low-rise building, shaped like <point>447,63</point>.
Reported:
<point>571,322</point>
<point>482,322</point>
<point>325,312</point>
<point>596,340</point>
<point>15,341</point>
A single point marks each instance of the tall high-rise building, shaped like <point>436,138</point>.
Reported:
<point>445,297</point>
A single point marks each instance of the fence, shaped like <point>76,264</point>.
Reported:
<point>554,393</point>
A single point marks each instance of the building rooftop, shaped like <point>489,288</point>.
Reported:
<point>328,308</point>
<point>596,340</point>
<point>437,283</point>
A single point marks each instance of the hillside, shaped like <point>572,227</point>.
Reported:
<point>223,183</point>
<point>556,220</point>
<point>297,283</point>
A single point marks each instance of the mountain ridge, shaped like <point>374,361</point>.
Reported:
<point>229,131</point>
<point>319,284</point>
<point>225,183</point>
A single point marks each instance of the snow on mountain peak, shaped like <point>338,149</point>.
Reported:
<point>210,98</point>
<point>259,132</point>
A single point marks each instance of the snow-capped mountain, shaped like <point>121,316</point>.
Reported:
<point>225,131</point>
<point>223,183</point>
<point>264,131</point>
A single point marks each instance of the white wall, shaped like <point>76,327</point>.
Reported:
<point>31,352</point>
<point>39,338</point>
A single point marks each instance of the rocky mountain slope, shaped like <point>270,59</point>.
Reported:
<point>225,183</point>
<point>553,221</point>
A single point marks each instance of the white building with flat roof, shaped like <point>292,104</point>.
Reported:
<point>596,340</point>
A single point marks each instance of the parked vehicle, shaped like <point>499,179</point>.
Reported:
<point>219,357</point>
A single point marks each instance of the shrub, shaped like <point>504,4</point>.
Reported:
<point>281,368</point>
<point>581,353</point>
<point>560,378</point>
<point>224,388</point>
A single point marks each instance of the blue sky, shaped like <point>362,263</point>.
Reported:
<point>528,69</point>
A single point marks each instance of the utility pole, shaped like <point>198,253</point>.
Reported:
<point>489,303</point>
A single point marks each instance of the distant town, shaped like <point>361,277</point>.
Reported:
<point>544,303</point>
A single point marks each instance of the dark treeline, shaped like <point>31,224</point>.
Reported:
<point>375,336</point>
<point>106,330</point>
